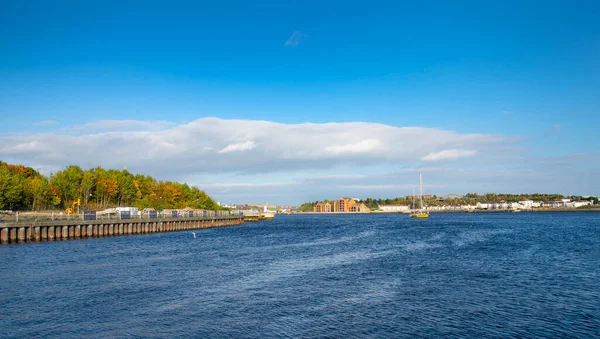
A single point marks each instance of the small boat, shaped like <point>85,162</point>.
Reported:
<point>421,213</point>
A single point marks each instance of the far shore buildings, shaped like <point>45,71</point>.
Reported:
<point>530,204</point>
<point>394,208</point>
<point>340,205</point>
<point>352,205</point>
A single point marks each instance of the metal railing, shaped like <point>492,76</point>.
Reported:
<point>19,217</point>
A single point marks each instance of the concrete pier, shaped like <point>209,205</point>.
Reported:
<point>251,218</point>
<point>79,229</point>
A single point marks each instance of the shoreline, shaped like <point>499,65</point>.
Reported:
<point>539,210</point>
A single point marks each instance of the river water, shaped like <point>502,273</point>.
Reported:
<point>308,276</point>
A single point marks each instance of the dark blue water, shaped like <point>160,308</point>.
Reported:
<point>472,275</point>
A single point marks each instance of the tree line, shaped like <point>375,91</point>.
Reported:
<point>23,188</point>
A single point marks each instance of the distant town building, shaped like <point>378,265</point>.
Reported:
<point>359,208</point>
<point>581,203</point>
<point>561,203</point>
<point>483,205</point>
<point>322,207</point>
<point>515,205</point>
<point>526,203</point>
<point>341,205</point>
<point>394,208</point>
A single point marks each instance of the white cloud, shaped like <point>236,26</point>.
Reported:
<point>359,147</point>
<point>247,160</point>
<point>516,176</point>
<point>295,39</point>
<point>26,147</point>
<point>211,145</point>
<point>243,158</point>
<point>449,154</point>
<point>250,185</point>
<point>241,146</point>
<point>340,177</point>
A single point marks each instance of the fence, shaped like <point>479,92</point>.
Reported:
<point>86,215</point>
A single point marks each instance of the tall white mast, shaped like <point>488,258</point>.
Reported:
<point>421,190</point>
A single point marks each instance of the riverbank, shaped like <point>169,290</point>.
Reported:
<point>526,211</point>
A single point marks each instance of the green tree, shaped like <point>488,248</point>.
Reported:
<point>22,187</point>
<point>68,183</point>
<point>88,183</point>
<point>11,189</point>
<point>126,188</point>
<point>38,191</point>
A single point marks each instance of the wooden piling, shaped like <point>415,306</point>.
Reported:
<point>4,235</point>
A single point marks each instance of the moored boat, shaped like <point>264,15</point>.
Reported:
<point>421,213</point>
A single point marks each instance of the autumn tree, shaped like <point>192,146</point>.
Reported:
<point>24,188</point>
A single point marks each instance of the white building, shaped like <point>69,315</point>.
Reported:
<point>517,205</point>
<point>500,205</point>
<point>561,203</point>
<point>483,205</point>
<point>394,208</point>
<point>581,203</point>
<point>526,203</point>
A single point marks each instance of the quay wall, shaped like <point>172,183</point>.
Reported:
<point>79,229</point>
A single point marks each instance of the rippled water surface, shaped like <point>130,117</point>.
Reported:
<point>476,275</point>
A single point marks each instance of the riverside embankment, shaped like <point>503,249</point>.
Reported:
<point>79,229</point>
<point>535,210</point>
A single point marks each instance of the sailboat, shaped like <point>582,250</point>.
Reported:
<point>420,213</point>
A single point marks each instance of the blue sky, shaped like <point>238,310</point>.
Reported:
<point>524,76</point>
